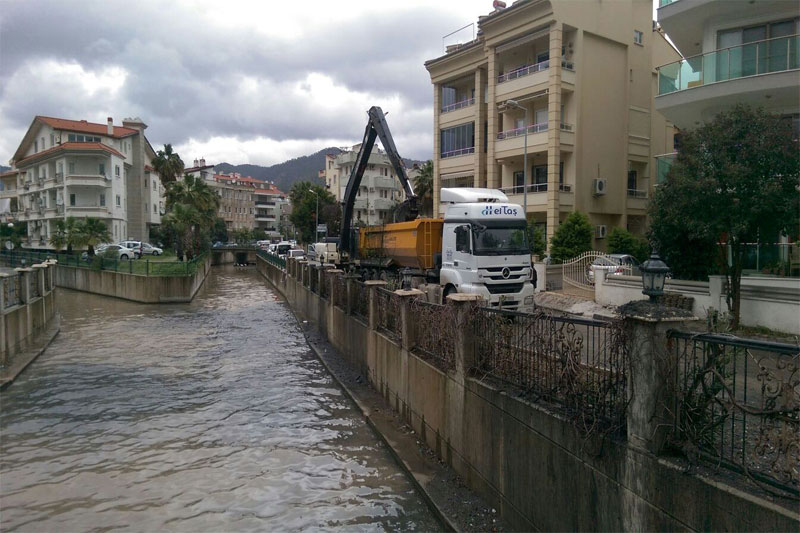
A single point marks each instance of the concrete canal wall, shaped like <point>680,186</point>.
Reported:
<point>134,287</point>
<point>28,319</point>
<point>532,464</point>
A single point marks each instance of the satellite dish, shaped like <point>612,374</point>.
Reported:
<point>9,245</point>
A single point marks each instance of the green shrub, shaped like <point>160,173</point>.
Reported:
<point>622,241</point>
<point>572,238</point>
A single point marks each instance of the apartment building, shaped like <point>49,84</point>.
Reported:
<point>733,52</point>
<point>270,205</point>
<point>575,81</point>
<point>9,195</point>
<point>380,190</point>
<point>84,169</point>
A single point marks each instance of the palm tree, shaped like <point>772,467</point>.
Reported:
<point>183,220</point>
<point>66,233</point>
<point>91,232</point>
<point>423,187</point>
<point>168,164</point>
<point>193,191</point>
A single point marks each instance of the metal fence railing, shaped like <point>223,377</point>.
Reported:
<point>737,404</point>
<point>325,285</point>
<point>577,363</point>
<point>278,261</point>
<point>34,282</point>
<point>388,312</point>
<point>141,267</point>
<point>340,291</point>
<point>434,334</point>
<point>360,300</point>
<point>11,290</point>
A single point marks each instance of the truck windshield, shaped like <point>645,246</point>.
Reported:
<point>499,241</point>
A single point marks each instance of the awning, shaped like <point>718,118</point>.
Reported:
<point>456,175</point>
<point>540,32</point>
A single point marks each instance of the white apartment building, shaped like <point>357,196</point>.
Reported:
<point>379,192</point>
<point>733,52</point>
<point>74,168</point>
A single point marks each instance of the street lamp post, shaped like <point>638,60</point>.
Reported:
<point>514,104</point>
<point>317,220</point>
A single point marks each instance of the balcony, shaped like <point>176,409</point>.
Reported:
<point>530,76</point>
<point>382,204</point>
<point>458,105</point>
<point>265,218</point>
<point>90,180</point>
<point>698,87</point>
<point>663,164</point>
<point>533,128</point>
<point>89,211</point>
<point>456,153</point>
<point>265,205</point>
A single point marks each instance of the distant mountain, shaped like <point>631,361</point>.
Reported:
<point>286,174</point>
<point>3,169</point>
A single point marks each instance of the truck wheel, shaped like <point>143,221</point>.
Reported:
<point>448,291</point>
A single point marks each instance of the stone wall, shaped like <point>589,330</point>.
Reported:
<point>531,464</point>
<point>143,289</point>
<point>27,308</point>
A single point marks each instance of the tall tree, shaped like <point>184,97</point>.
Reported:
<point>183,221</point>
<point>423,187</point>
<point>91,232</point>
<point>572,237</point>
<point>304,207</point>
<point>194,206</point>
<point>168,164</point>
<point>66,233</point>
<point>735,180</point>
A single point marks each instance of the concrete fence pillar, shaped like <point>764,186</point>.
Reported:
<point>350,283</point>
<point>330,279</point>
<point>372,288</point>
<point>39,271</point>
<point>407,329</point>
<point>650,366</point>
<point>464,336</point>
<point>4,281</point>
<point>25,296</point>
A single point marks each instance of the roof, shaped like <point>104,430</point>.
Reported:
<point>86,127</point>
<point>247,181</point>
<point>7,173</point>
<point>72,147</point>
<point>195,169</point>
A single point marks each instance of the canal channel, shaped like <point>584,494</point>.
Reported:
<point>213,415</point>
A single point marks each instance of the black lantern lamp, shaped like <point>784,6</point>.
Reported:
<point>654,274</point>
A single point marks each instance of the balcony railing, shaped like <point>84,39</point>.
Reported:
<point>663,3</point>
<point>59,177</point>
<point>531,69</point>
<point>519,189</point>
<point>533,128</point>
<point>637,193</point>
<point>663,164</point>
<point>458,105</point>
<point>563,187</point>
<point>461,151</point>
<point>751,59</point>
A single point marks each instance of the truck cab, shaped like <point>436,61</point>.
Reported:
<point>485,249</point>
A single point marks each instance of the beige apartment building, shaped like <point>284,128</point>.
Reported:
<point>380,190</point>
<point>577,77</point>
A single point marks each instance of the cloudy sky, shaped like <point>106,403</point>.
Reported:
<point>244,82</point>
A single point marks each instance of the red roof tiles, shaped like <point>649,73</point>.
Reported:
<point>86,127</point>
<point>73,147</point>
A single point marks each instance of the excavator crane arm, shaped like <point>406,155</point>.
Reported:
<point>376,127</point>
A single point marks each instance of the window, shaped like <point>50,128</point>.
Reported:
<point>458,140</point>
<point>35,146</point>
<point>71,166</point>
<point>72,199</point>
<point>155,209</point>
<point>631,180</point>
<point>462,239</point>
<point>145,207</point>
<point>52,140</point>
<point>101,169</point>
<point>102,200</point>
<point>43,145</point>
<point>119,201</point>
<point>638,37</point>
<point>145,183</point>
<point>116,170</point>
<point>755,58</point>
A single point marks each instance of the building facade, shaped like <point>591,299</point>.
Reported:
<point>575,81</point>
<point>380,190</point>
<point>734,52</point>
<point>75,168</point>
<point>9,195</point>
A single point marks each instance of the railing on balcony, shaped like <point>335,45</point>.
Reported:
<point>751,59</point>
<point>461,151</point>
<point>531,69</point>
<point>663,164</point>
<point>637,193</point>
<point>59,177</point>
<point>519,189</point>
<point>458,105</point>
<point>563,187</point>
<point>663,3</point>
<point>533,128</point>
<point>567,127</point>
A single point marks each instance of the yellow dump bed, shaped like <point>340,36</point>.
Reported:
<point>407,244</point>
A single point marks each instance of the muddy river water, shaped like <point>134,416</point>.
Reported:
<point>206,416</point>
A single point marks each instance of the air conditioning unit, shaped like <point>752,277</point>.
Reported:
<point>599,186</point>
<point>600,231</point>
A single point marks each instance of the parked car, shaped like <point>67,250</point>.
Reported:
<point>133,246</point>
<point>297,254</point>
<point>613,264</point>
<point>123,253</point>
<point>149,249</point>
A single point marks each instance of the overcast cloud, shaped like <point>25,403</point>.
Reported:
<point>243,82</point>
